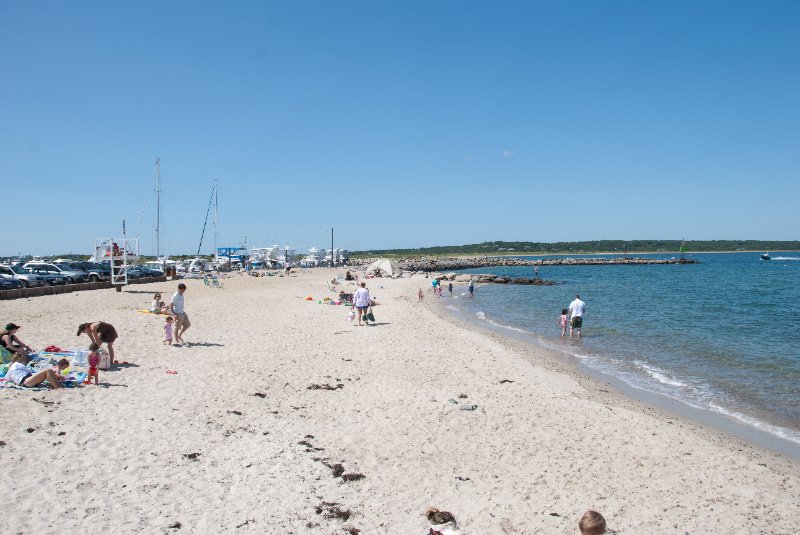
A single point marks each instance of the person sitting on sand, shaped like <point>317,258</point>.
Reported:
<point>20,374</point>
<point>100,332</point>
<point>61,367</point>
<point>9,340</point>
<point>442,522</point>
<point>156,305</point>
<point>592,523</point>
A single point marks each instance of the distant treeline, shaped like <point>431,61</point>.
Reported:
<point>588,247</point>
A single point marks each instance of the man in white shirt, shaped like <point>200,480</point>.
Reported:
<point>576,309</point>
<point>182,323</point>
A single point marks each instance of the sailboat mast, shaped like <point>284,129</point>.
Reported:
<point>216,217</point>
<point>158,208</point>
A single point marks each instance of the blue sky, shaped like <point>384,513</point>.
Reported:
<point>399,124</point>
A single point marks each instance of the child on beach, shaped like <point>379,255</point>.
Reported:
<point>562,321</point>
<point>592,523</point>
<point>168,330</point>
<point>421,295</point>
<point>94,362</point>
<point>61,368</point>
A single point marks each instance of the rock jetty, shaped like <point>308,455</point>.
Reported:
<point>439,264</point>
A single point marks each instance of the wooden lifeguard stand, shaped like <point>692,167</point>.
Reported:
<point>118,253</point>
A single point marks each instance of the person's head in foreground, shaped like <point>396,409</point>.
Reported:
<point>181,287</point>
<point>363,284</point>
<point>592,523</point>
<point>94,347</point>
<point>442,521</point>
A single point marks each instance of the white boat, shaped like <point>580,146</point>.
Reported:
<point>160,264</point>
<point>339,256</point>
<point>314,257</point>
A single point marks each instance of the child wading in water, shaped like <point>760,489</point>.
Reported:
<point>168,330</point>
<point>94,362</point>
<point>562,321</point>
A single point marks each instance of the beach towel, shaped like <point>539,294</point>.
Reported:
<point>8,384</point>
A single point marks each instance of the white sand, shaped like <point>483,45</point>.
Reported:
<point>534,455</point>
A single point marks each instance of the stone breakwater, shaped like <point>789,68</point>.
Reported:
<point>437,264</point>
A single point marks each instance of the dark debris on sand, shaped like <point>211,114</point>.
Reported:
<point>332,510</point>
<point>192,456</point>
<point>326,386</point>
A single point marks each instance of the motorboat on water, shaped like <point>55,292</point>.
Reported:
<point>765,256</point>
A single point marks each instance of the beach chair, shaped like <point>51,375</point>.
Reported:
<point>215,283</point>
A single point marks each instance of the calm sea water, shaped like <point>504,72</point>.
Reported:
<point>722,335</point>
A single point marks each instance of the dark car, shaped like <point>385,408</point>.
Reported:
<point>140,272</point>
<point>9,283</point>
<point>96,272</point>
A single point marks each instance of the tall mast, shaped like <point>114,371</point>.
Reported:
<point>216,219</point>
<point>158,208</point>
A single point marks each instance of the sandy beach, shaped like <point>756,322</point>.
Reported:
<point>285,417</point>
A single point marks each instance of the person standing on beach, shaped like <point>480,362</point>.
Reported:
<point>176,306</point>
<point>576,308</point>
<point>450,288</point>
<point>471,288</point>
<point>361,300</point>
<point>99,332</point>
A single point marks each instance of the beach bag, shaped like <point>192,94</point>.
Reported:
<point>369,316</point>
<point>105,361</point>
<point>352,315</point>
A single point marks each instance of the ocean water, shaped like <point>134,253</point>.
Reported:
<point>722,336</point>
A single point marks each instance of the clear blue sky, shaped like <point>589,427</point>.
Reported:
<point>400,124</point>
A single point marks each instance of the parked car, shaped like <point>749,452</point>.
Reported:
<point>139,272</point>
<point>69,275</point>
<point>96,272</point>
<point>28,280</point>
<point>9,283</point>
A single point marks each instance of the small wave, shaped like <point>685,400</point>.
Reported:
<point>786,434</point>
<point>786,258</point>
<point>660,375</point>
<point>453,307</point>
<point>480,314</point>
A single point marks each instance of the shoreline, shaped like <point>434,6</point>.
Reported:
<point>274,391</point>
<point>718,423</point>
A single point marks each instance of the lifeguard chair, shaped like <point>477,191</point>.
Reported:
<point>118,253</point>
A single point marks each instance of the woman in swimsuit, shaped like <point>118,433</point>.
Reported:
<point>100,332</point>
